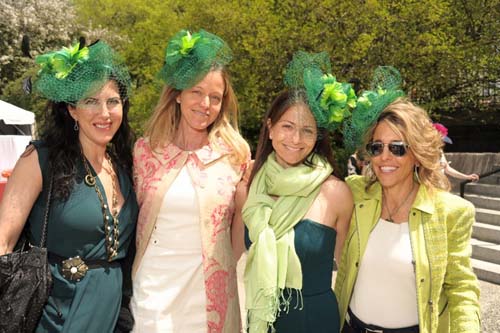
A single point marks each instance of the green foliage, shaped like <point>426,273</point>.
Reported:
<point>45,25</point>
<point>445,49</point>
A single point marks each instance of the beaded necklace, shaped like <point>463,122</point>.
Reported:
<point>111,235</point>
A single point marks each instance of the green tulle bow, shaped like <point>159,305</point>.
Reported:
<point>190,56</point>
<point>62,62</point>
<point>337,98</point>
<point>182,45</point>
<point>330,101</point>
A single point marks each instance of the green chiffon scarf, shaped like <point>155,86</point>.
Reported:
<point>272,263</point>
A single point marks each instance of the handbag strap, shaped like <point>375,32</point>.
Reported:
<point>47,210</point>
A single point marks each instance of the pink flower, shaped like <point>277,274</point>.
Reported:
<point>441,129</point>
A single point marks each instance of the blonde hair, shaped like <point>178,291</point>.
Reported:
<point>162,126</point>
<point>415,127</point>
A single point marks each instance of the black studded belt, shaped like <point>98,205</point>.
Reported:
<point>75,268</point>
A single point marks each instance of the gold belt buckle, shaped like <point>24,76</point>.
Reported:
<point>74,268</point>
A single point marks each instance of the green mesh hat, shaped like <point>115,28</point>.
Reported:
<point>384,89</point>
<point>329,100</point>
<point>74,73</point>
<point>189,57</point>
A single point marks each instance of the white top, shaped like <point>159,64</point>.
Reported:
<point>385,292</point>
<point>169,289</point>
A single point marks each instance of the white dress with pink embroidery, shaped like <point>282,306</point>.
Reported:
<point>169,288</point>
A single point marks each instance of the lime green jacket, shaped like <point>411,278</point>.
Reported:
<point>440,227</point>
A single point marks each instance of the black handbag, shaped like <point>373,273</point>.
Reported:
<point>25,282</point>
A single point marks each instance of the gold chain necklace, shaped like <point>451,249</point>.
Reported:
<point>399,207</point>
<point>111,235</point>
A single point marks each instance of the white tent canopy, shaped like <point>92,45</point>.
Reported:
<point>13,115</point>
<point>12,146</point>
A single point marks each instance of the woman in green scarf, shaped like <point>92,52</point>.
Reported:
<point>296,212</point>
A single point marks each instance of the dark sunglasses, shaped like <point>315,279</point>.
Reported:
<point>397,148</point>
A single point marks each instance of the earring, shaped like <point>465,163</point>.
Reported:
<point>368,172</point>
<point>76,127</point>
<point>415,172</point>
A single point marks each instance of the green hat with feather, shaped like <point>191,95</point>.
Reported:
<point>385,88</point>
<point>190,56</point>
<point>74,73</point>
<point>330,101</point>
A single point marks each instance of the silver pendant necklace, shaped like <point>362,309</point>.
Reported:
<point>391,214</point>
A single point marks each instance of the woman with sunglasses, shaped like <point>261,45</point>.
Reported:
<point>405,265</point>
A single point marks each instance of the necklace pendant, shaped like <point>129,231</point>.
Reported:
<point>112,254</point>
<point>89,180</point>
<point>111,236</point>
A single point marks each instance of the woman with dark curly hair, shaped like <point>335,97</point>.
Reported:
<point>85,152</point>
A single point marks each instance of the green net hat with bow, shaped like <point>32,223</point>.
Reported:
<point>189,57</point>
<point>74,73</point>
<point>330,101</point>
<point>384,89</point>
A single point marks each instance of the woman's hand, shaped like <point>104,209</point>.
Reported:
<point>474,177</point>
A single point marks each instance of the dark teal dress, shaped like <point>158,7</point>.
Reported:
<point>75,227</point>
<point>315,245</point>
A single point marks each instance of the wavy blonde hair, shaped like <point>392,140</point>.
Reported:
<point>162,126</point>
<point>415,127</point>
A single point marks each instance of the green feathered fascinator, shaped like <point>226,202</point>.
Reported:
<point>330,101</point>
<point>74,73</point>
<point>189,57</point>
<point>385,88</point>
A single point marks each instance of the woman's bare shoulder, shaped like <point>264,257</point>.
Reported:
<point>334,186</point>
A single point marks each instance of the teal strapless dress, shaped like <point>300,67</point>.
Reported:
<point>315,245</point>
